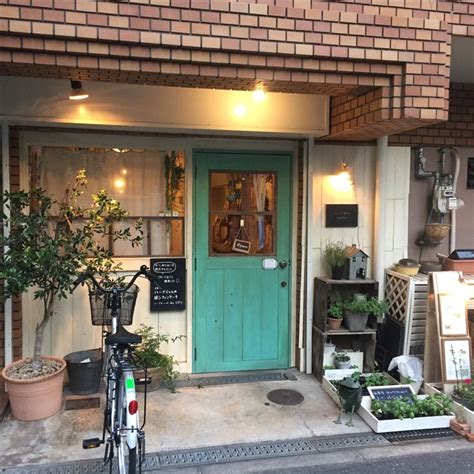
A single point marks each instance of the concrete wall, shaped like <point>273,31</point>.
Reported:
<point>420,204</point>
<point>165,108</point>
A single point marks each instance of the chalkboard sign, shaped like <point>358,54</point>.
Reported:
<point>342,215</point>
<point>169,293</point>
<point>390,392</point>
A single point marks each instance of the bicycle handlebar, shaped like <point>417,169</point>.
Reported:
<point>144,271</point>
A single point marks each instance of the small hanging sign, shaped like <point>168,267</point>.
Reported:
<point>240,244</point>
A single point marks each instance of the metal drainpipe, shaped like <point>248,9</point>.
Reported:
<point>309,257</point>
<point>381,157</point>
<point>8,309</point>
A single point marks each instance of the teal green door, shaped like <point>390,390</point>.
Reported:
<point>242,234</point>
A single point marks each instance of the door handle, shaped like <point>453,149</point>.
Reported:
<point>283,284</point>
<point>282,264</point>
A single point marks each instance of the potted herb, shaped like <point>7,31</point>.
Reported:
<point>335,314</point>
<point>160,367</point>
<point>48,242</point>
<point>356,312</point>
<point>342,360</point>
<point>335,255</point>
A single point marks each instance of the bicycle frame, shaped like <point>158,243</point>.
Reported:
<point>121,416</point>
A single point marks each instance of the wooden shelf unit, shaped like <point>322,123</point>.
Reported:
<point>327,291</point>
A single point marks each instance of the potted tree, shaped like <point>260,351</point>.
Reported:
<point>335,314</point>
<point>48,242</point>
<point>160,367</point>
<point>335,255</point>
<point>357,310</point>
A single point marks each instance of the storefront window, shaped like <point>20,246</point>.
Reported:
<point>242,213</point>
<point>148,183</point>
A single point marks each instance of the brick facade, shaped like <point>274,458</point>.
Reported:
<point>338,48</point>
<point>16,319</point>
<point>457,131</point>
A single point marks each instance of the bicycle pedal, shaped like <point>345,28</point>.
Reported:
<point>91,443</point>
<point>143,381</point>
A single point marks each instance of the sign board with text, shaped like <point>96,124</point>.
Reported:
<point>169,292</point>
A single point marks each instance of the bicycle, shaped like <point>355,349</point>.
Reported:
<point>121,416</point>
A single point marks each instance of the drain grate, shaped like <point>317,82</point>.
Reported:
<point>420,435</point>
<point>227,379</point>
<point>219,454</point>
<point>285,397</point>
<point>348,442</point>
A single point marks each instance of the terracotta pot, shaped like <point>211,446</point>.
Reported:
<point>156,376</point>
<point>334,323</point>
<point>38,398</point>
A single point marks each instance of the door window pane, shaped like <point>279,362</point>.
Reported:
<point>242,213</point>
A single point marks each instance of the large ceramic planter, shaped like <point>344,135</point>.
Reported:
<point>355,321</point>
<point>153,373</point>
<point>38,398</point>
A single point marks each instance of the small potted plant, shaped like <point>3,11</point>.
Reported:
<point>356,312</point>
<point>335,255</point>
<point>342,360</point>
<point>335,314</point>
<point>160,367</point>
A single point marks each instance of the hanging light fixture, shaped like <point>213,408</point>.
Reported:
<point>77,91</point>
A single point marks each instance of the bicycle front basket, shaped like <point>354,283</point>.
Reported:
<point>101,315</point>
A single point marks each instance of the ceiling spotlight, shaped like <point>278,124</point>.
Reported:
<point>77,92</point>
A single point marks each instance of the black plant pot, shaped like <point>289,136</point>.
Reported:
<point>337,272</point>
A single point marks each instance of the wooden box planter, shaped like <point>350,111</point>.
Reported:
<point>331,390</point>
<point>459,410</point>
<point>407,424</point>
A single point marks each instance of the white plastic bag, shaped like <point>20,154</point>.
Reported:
<point>409,367</point>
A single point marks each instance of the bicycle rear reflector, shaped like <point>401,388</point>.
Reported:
<point>133,407</point>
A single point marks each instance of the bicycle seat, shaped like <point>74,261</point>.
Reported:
<point>122,337</point>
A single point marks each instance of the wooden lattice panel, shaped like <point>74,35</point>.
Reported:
<point>407,297</point>
<point>396,293</point>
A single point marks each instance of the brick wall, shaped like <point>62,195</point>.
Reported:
<point>457,131</point>
<point>337,48</point>
<point>17,323</point>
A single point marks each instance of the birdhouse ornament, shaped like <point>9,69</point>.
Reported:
<point>355,267</point>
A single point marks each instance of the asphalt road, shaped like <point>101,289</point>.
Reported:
<point>458,462</point>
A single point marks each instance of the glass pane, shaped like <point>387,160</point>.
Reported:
<point>241,213</point>
<point>239,191</point>
<point>148,183</point>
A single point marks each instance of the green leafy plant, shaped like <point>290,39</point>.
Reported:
<point>371,305</point>
<point>336,311</point>
<point>411,407</point>
<point>174,175</point>
<point>371,380</point>
<point>341,357</point>
<point>149,353</point>
<point>49,241</point>
<point>335,254</point>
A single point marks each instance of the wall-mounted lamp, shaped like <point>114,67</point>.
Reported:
<point>342,180</point>
<point>77,91</point>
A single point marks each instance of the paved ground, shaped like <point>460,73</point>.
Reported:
<point>230,414</point>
